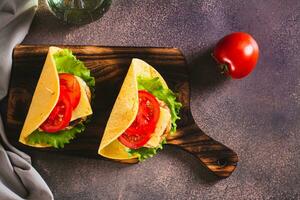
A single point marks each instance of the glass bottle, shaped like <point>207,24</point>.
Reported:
<point>78,11</point>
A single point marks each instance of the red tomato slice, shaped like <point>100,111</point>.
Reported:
<point>60,116</point>
<point>72,88</point>
<point>144,124</point>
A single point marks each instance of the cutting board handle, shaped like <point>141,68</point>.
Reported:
<point>216,157</point>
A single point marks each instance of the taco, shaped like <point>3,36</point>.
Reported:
<point>60,104</point>
<point>144,113</point>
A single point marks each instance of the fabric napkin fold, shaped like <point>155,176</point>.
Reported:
<point>18,179</point>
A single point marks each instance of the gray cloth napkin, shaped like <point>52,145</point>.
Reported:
<point>18,179</point>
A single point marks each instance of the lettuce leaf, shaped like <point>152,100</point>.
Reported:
<point>155,87</point>
<point>66,62</point>
<point>57,140</point>
<point>143,153</point>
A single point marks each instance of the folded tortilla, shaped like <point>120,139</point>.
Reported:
<point>45,97</point>
<point>124,111</point>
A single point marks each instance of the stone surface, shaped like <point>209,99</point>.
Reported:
<point>258,117</point>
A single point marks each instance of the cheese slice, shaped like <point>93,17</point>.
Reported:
<point>83,108</point>
<point>45,96</point>
<point>163,122</point>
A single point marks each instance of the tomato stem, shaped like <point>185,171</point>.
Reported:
<point>224,68</point>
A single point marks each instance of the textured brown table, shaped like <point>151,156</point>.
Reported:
<point>258,117</point>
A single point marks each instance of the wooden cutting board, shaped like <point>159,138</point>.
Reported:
<point>109,66</point>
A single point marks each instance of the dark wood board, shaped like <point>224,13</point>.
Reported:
<point>109,66</point>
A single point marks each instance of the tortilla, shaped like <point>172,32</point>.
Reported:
<point>125,110</point>
<point>44,99</point>
<point>46,96</point>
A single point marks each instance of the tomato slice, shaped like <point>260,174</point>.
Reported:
<point>72,88</point>
<point>144,124</point>
<point>60,116</point>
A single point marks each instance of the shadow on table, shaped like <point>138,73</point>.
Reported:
<point>205,75</point>
<point>201,174</point>
<point>183,159</point>
<point>204,72</point>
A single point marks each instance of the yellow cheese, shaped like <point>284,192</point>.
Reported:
<point>45,97</point>
<point>84,107</point>
<point>163,122</point>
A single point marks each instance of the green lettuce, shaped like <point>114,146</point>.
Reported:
<point>143,153</point>
<point>65,62</point>
<point>155,87</point>
<point>57,140</point>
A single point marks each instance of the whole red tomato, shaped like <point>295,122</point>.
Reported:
<point>237,54</point>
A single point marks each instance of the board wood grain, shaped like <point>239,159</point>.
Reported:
<point>109,66</point>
